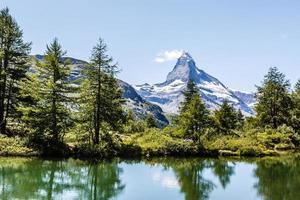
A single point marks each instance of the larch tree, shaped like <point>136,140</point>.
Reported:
<point>101,97</point>
<point>13,66</point>
<point>51,95</point>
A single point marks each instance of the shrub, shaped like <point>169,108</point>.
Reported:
<point>14,146</point>
<point>155,142</point>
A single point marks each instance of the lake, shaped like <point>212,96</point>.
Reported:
<point>153,179</point>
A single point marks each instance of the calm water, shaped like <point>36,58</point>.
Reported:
<point>191,179</point>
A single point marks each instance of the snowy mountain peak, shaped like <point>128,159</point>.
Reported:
<point>184,70</point>
<point>168,95</point>
<point>186,55</point>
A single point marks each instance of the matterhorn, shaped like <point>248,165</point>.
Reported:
<point>168,95</point>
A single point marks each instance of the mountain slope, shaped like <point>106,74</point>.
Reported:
<point>134,101</point>
<point>140,106</point>
<point>168,95</point>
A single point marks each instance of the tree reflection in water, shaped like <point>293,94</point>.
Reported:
<point>278,178</point>
<point>37,179</point>
<point>189,174</point>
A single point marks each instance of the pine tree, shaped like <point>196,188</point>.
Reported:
<point>13,58</point>
<point>295,112</point>
<point>50,92</point>
<point>225,118</point>
<point>188,94</point>
<point>101,96</point>
<point>273,100</point>
<point>195,118</point>
<point>240,119</point>
<point>150,121</point>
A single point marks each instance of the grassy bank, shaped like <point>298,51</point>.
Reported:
<point>156,142</point>
<point>268,142</point>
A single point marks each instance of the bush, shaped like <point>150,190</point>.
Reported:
<point>154,142</point>
<point>133,126</point>
<point>254,142</point>
<point>109,145</point>
<point>14,146</point>
<point>280,138</point>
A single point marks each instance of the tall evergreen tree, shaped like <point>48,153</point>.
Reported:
<point>48,113</point>
<point>188,94</point>
<point>273,100</point>
<point>13,58</point>
<point>240,119</point>
<point>195,118</point>
<point>225,118</point>
<point>295,112</point>
<point>100,94</point>
<point>150,121</point>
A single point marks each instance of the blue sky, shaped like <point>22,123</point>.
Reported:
<point>234,40</point>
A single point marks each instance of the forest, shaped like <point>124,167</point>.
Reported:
<point>44,113</point>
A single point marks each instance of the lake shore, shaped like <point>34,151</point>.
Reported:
<point>131,150</point>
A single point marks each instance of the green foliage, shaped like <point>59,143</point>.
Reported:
<point>188,94</point>
<point>279,139</point>
<point>13,57</point>
<point>100,96</point>
<point>134,126</point>
<point>109,145</point>
<point>150,121</point>
<point>194,118</point>
<point>226,118</point>
<point>295,112</point>
<point>47,114</point>
<point>14,146</point>
<point>255,142</point>
<point>273,100</point>
<point>154,142</point>
<point>240,119</point>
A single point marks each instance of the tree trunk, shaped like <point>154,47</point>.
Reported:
<point>3,93</point>
<point>98,104</point>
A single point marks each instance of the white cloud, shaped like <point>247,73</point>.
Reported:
<point>168,55</point>
<point>166,180</point>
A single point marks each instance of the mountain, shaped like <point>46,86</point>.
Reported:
<point>133,100</point>
<point>248,98</point>
<point>140,106</point>
<point>76,66</point>
<point>168,95</point>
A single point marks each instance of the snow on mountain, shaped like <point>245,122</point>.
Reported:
<point>248,98</point>
<point>168,95</point>
<point>140,106</point>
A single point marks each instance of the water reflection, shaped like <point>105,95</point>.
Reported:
<point>190,179</point>
<point>278,178</point>
<point>37,179</point>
